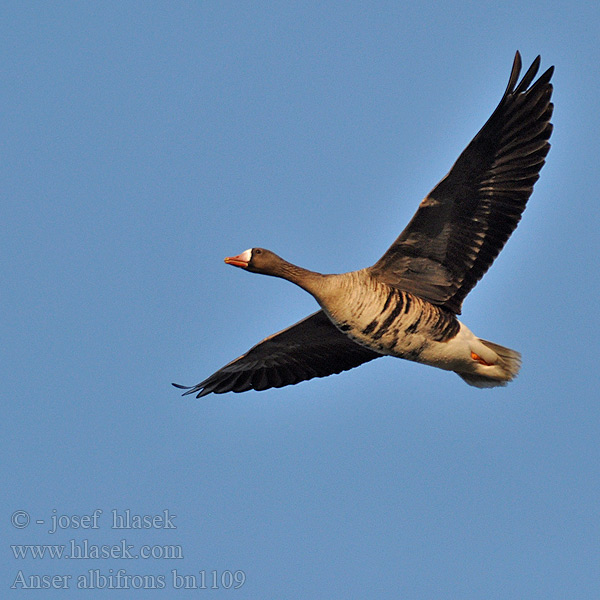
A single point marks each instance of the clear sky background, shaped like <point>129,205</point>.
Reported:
<point>144,141</point>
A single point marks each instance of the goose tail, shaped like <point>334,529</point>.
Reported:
<point>503,368</point>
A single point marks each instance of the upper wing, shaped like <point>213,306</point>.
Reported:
<point>311,348</point>
<point>462,225</point>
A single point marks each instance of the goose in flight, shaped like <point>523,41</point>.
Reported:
<point>406,304</point>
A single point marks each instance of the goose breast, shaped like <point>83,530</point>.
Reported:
<point>385,319</point>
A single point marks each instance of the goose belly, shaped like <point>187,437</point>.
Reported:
<point>402,325</point>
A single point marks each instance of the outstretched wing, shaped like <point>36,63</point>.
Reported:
<point>311,348</point>
<point>462,225</point>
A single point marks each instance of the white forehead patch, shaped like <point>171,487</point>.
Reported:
<point>246,255</point>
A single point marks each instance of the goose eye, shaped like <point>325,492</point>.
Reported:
<point>257,251</point>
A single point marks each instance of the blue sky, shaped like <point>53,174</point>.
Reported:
<point>142,143</point>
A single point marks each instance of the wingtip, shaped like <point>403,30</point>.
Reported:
<point>514,74</point>
<point>546,75</point>
<point>181,387</point>
<point>190,389</point>
<point>516,87</point>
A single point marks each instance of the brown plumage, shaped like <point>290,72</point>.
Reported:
<point>406,304</point>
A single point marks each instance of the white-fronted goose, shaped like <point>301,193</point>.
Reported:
<point>405,305</point>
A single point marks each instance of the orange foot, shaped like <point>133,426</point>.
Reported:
<point>480,360</point>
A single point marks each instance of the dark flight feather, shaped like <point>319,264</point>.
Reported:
<point>311,348</point>
<point>462,225</point>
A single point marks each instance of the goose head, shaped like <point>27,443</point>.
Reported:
<point>257,260</point>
